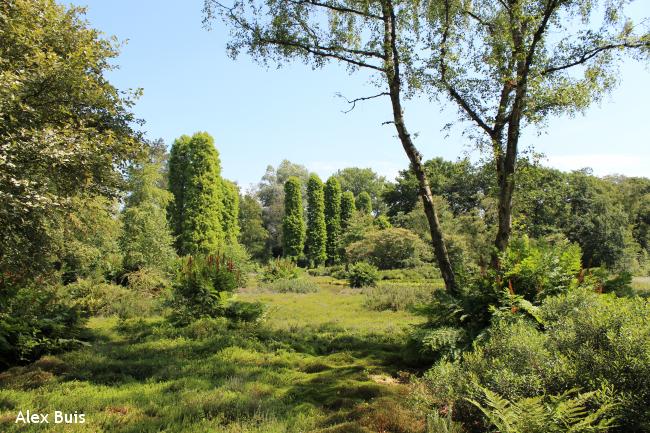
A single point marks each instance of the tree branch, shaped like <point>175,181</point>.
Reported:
<point>336,8</point>
<point>365,98</point>
<point>589,54</point>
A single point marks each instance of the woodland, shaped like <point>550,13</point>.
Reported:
<point>141,288</point>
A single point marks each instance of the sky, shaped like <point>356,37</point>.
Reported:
<point>260,116</point>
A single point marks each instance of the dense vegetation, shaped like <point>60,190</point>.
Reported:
<point>140,286</point>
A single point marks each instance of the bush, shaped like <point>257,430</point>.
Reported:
<point>98,298</point>
<point>148,280</point>
<point>279,269</point>
<point>395,297</point>
<point>240,311</point>
<point>294,285</point>
<point>35,321</point>
<point>203,286</point>
<point>362,275</point>
<point>590,342</point>
<point>390,248</point>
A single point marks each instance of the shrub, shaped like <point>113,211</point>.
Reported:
<point>389,249</point>
<point>279,269</point>
<point>590,342</point>
<point>363,275</point>
<point>148,280</point>
<point>293,285</point>
<point>34,321</point>
<point>394,297</point>
<point>241,311</point>
<point>98,298</point>
<point>202,287</point>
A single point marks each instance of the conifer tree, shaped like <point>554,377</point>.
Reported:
<point>230,212</point>
<point>293,224</point>
<point>316,231</point>
<point>195,180</point>
<point>347,209</point>
<point>333,220</point>
<point>364,203</point>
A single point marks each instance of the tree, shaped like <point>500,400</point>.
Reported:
<point>380,37</point>
<point>252,234</point>
<point>509,64</point>
<point>230,211</point>
<point>65,130</point>
<point>333,220</point>
<point>347,209</point>
<point>146,240</point>
<point>364,203</point>
<point>357,180</point>
<point>316,230</point>
<point>293,225</point>
<point>195,181</point>
<point>270,192</point>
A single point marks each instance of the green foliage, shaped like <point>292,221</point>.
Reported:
<point>364,203</point>
<point>316,230</point>
<point>146,241</point>
<point>569,411</point>
<point>252,234</point>
<point>293,224</point>
<point>241,311</point>
<point>34,321</point>
<point>397,297</point>
<point>198,210</point>
<point>292,285</point>
<point>333,220</point>
<point>382,222</point>
<point>390,248</point>
<point>363,180</point>
<point>362,274</point>
<point>203,286</point>
<point>347,209</point>
<point>280,269</point>
<point>65,130</point>
<point>230,211</point>
<point>589,341</point>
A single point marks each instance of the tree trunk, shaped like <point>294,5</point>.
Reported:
<point>394,84</point>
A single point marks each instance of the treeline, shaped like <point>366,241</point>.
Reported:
<point>291,213</point>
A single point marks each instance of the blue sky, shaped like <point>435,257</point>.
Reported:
<point>260,116</point>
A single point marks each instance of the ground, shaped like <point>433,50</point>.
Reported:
<point>320,362</point>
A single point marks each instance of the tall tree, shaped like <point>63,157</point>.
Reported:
<point>379,36</point>
<point>364,203</point>
<point>507,64</point>
<point>146,239</point>
<point>357,180</point>
<point>195,181</point>
<point>293,225</point>
<point>65,130</point>
<point>230,211</point>
<point>333,220</point>
<point>347,209</point>
<point>252,234</point>
<point>316,231</point>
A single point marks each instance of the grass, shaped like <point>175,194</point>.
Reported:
<point>320,362</point>
<point>641,285</point>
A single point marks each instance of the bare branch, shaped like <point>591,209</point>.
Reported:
<point>365,98</point>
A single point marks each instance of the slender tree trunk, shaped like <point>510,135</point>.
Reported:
<point>394,84</point>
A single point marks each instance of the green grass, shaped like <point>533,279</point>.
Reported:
<point>320,362</point>
<point>641,285</point>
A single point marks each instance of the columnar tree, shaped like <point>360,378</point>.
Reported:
<point>347,209</point>
<point>333,220</point>
<point>195,181</point>
<point>364,203</point>
<point>316,231</point>
<point>293,224</point>
<point>379,36</point>
<point>146,240</point>
<point>230,211</point>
